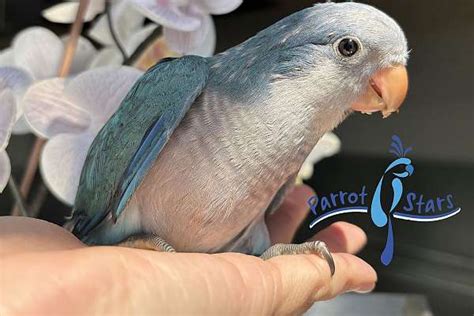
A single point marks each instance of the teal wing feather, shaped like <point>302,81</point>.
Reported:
<point>132,139</point>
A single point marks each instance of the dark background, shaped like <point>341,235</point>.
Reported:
<point>435,259</point>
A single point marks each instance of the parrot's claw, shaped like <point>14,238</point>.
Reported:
<point>149,242</point>
<point>310,247</point>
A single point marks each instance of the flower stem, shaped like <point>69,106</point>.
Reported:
<point>68,56</point>
<point>30,173</point>
<point>108,12</point>
<point>74,35</point>
<point>35,205</point>
<point>17,196</point>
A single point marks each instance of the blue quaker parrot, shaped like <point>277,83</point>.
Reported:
<point>201,150</point>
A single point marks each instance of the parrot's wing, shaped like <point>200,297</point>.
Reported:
<point>132,139</point>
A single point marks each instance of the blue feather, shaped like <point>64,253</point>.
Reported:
<point>128,145</point>
<point>151,146</point>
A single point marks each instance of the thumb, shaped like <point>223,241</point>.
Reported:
<point>306,279</point>
<point>291,284</point>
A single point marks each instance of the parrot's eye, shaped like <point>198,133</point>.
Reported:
<point>348,47</point>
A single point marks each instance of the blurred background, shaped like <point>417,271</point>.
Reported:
<point>433,259</point>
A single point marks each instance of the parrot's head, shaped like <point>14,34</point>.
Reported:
<point>401,167</point>
<point>349,54</point>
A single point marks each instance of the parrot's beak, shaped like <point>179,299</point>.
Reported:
<point>386,91</point>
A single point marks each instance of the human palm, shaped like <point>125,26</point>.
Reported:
<point>46,270</point>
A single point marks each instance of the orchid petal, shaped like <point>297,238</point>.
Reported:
<point>100,91</point>
<point>21,126</point>
<point>7,117</point>
<point>219,6</point>
<point>100,32</point>
<point>201,40</point>
<point>207,47</point>
<point>66,12</point>
<point>138,37</point>
<point>15,79</point>
<point>48,111</point>
<point>61,164</point>
<point>306,172</point>
<point>6,57</point>
<point>126,20</point>
<point>107,57</point>
<point>39,51</point>
<point>327,146</point>
<point>168,14</point>
<point>5,170</point>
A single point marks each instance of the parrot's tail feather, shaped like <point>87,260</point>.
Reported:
<point>75,223</point>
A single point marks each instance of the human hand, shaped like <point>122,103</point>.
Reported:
<point>46,270</point>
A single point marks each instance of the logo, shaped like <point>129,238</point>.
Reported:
<point>388,202</point>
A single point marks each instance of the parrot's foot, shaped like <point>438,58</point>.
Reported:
<point>310,247</point>
<point>150,242</point>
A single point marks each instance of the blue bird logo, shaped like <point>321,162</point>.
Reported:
<point>379,217</point>
<point>382,214</point>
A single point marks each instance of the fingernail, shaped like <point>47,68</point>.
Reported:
<point>364,289</point>
<point>367,288</point>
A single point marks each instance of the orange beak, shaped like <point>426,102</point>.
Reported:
<point>386,92</point>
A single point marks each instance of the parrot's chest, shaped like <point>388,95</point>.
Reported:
<point>217,174</point>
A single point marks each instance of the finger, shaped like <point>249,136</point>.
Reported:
<point>283,224</point>
<point>306,279</point>
<point>173,283</point>
<point>342,237</point>
<point>23,234</point>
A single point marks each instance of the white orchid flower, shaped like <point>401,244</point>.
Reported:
<point>128,26</point>
<point>35,55</point>
<point>128,19</point>
<point>70,113</point>
<point>188,27</point>
<point>328,145</point>
<point>7,120</point>
<point>129,29</point>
